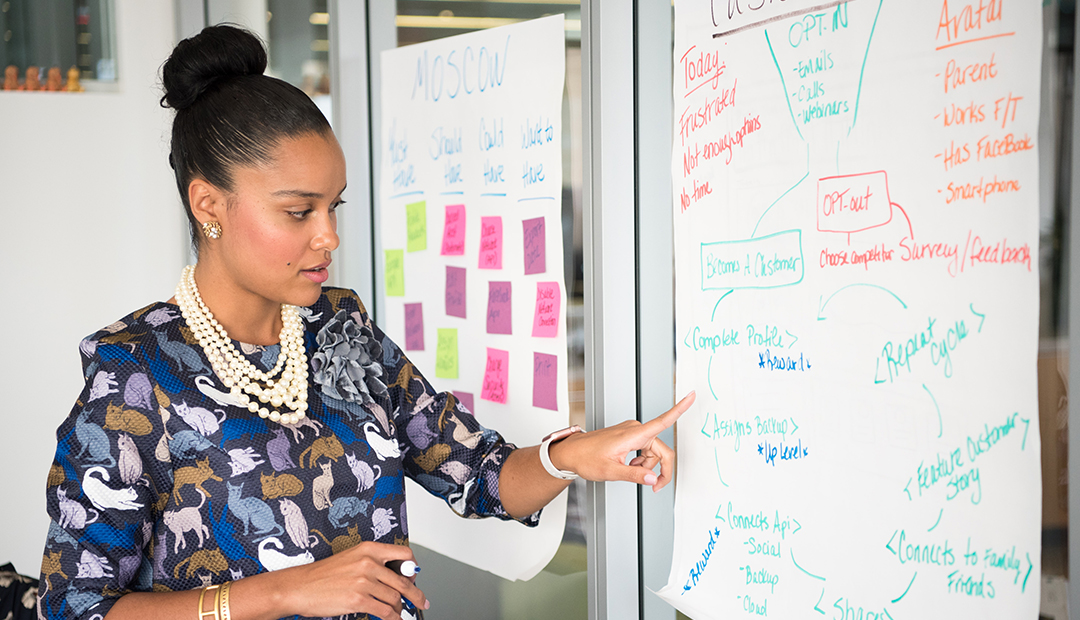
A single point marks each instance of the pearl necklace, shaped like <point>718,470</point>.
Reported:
<point>247,384</point>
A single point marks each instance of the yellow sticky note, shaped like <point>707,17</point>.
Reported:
<point>395,273</point>
<point>446,354</point>
<point>416,220</point>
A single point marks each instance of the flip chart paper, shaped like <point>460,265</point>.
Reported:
<point>548,312</point>
<point>498,309</point>
<point>453,243</point>
<point>545,381</point>
<point>395,273</point>
<point>535,245</point>
<point>416,214</point>
<point>455,291</point>
<point>855,191</point>
<point>496,373</point>
<point>491,242</point>
<point>446,355</point>
<point>414,327</point>
<point>472,128</point>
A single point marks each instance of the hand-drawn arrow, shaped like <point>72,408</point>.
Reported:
<point>936,522</point>
<point>897,599</point>
<point>730,291</point>
<point>716,458</point>
<point>803,569</point>
<point>890,542</point>
<point>718,509</point>
<point>941,427</point>
<point>797,526</point>
<point>821,306</point>
<point>795,425</point>
<point>816,608</point>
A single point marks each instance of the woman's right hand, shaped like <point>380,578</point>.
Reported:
<point>353,581</point>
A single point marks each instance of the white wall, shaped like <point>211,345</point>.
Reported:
<point>92,229</point>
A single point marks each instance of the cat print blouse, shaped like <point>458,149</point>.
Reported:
<point>163,482</point>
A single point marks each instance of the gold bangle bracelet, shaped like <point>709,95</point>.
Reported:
<point>223,607</point>
<point>214,611</point>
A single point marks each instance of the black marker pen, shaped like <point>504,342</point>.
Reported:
<point>407,568</point>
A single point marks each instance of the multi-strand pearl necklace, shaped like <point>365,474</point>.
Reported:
<point>247,384</point>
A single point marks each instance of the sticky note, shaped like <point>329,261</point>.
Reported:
<point>414,327</point>
<point>535,246</point>
<point>496,375</point>
<point>498,309</point>
<point>455,291</point>
<point>416,222</point>
<point>465,398</point>
<point>446,354</point>
<point>395,273</point>
<point>546,320</point>
<point>453,237</point>
<point>491,242</point>
<point>545,381</point>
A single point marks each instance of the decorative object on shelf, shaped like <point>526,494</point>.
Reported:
<point>54,82</point>
<point>33,79</point>
<point>73,85</point>
<point>11,78</point>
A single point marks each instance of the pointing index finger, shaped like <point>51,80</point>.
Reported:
<point>666,419</point>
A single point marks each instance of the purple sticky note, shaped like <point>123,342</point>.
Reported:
<point>465,398</point>
<point>496,376</point>
<point>545,381</point>
<point>535,246</point>
<point>414,327</point>
<point>491,242</point>
<point>453,240</point>
<point>455,291</point>
<point>548,301</point>
<point>498,309</point>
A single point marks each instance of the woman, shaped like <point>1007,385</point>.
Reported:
<point>241,448</point>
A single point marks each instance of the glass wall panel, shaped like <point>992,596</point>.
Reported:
<point>560,590</point>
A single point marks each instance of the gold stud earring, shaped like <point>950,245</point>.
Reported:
<point>212,230</point>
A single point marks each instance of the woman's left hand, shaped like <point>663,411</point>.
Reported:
<point>600,455</point>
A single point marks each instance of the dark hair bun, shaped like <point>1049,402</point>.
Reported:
<point>213,55</point>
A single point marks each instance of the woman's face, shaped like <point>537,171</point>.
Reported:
<point>280,225</point>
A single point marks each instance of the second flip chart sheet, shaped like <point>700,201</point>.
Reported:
<point>855,209</point>
<point>471,203</point>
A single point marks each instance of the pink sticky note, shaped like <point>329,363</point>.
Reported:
<point>455,291</point>
<point>498,309</point>
<point>465,398</point>
<point>545,381</point>
<point>414,327</point>
<point>546,321</point>
<point>496,376</point>
<point>491,242</point>
<point>453,239</point>
<point>535,245</point>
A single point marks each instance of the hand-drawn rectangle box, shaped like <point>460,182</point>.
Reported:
<point>853,203</point>
<point>771,261</point>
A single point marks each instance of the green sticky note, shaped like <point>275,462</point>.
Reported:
<point>446,357</point>
<point>395,273</point>
<point>416,218</point>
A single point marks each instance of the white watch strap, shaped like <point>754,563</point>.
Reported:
<point>545,459</point>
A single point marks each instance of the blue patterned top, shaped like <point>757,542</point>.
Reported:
<point>163,482</point>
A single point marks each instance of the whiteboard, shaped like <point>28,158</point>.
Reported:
<point>471,195</point>
<point>855,212</point>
